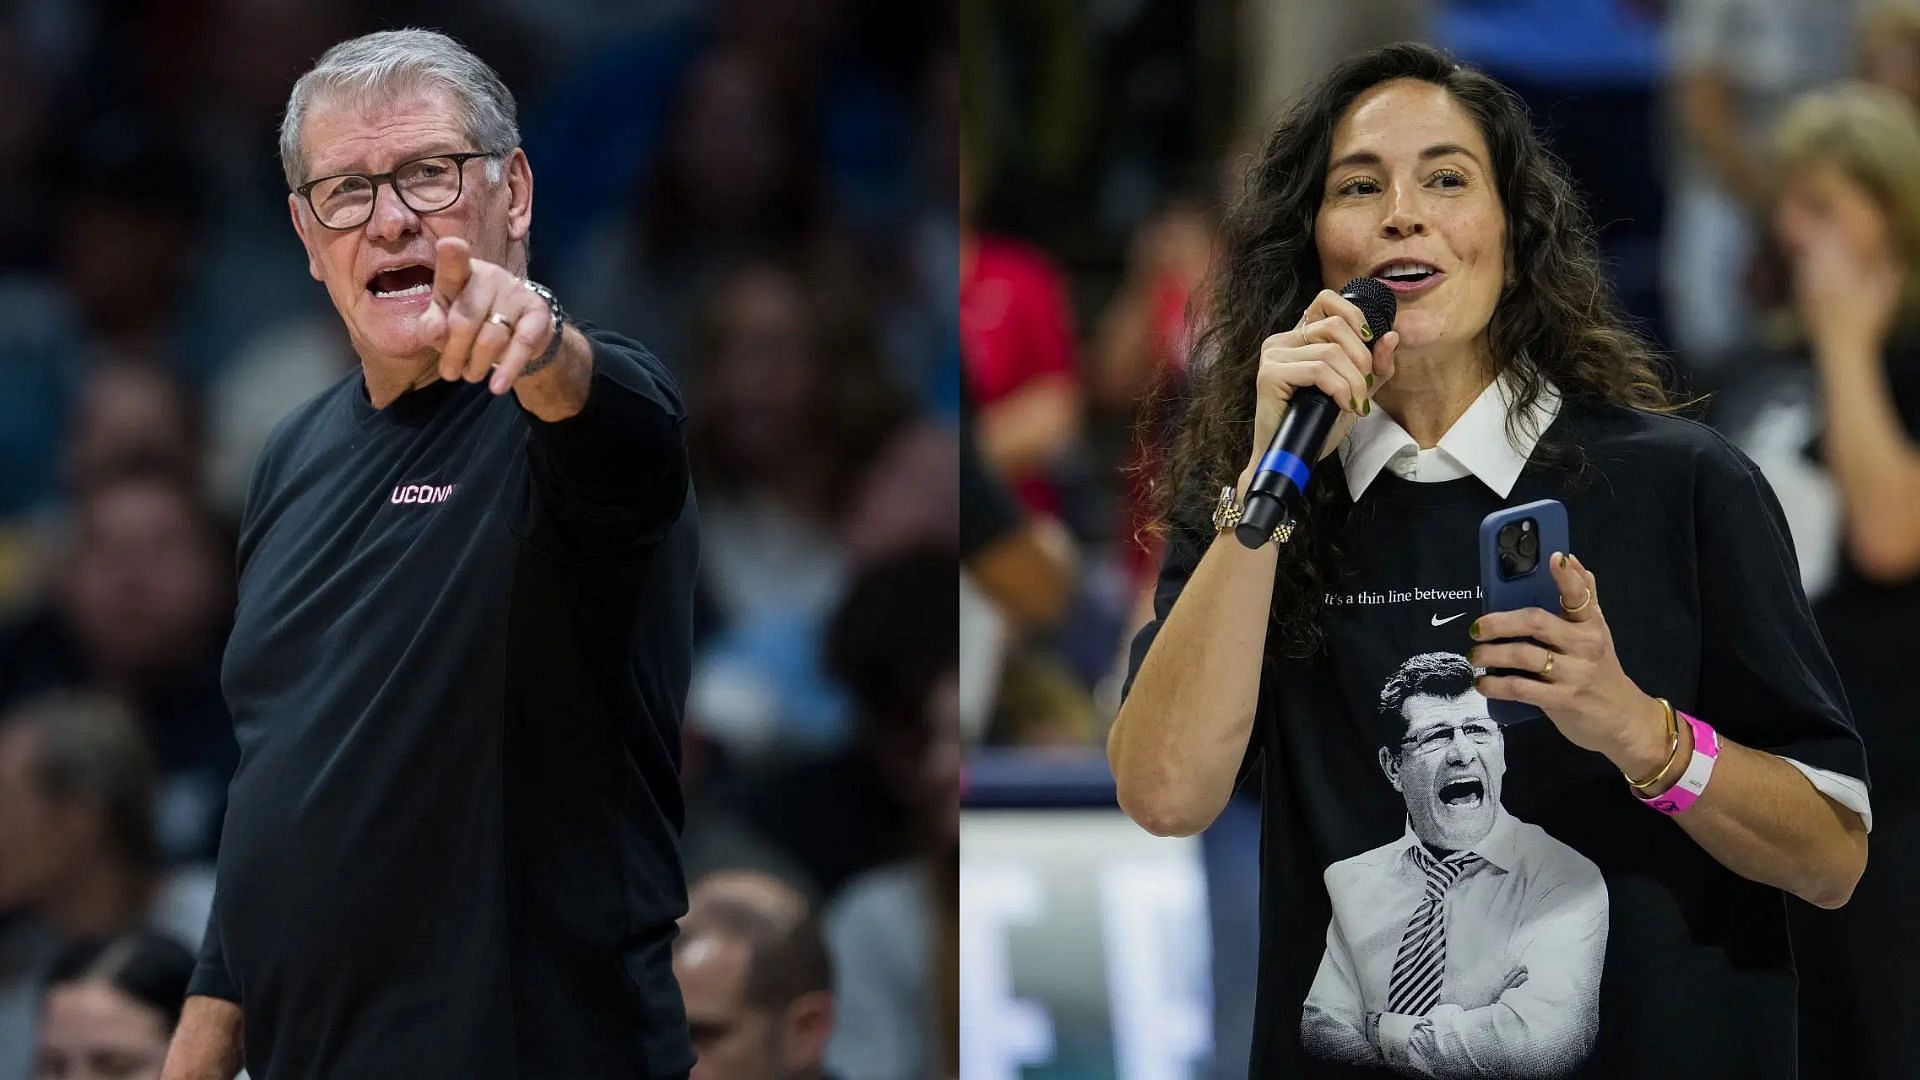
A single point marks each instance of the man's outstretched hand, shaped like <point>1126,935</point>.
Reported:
<point>466,292</point>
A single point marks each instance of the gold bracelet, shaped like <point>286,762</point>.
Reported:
<point>1227,515</point>
<point>1673,750</point>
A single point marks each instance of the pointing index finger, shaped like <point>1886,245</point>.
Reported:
<point>452,267</point>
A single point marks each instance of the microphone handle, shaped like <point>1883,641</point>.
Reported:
<point>1287,465</point>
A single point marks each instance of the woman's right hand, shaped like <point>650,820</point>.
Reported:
<point>1328,351</point>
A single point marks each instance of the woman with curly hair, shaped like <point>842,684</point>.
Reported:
<point>1597,890</point>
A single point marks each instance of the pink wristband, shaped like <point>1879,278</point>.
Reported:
<point>1706,750</point>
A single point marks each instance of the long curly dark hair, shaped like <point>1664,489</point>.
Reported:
<point>1557,322</point>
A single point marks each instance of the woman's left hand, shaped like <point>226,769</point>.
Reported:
<point>1582,688</point>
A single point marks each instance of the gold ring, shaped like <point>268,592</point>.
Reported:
<point>1547,671</point>
<point>500,320</point>
<point>1582,605</point>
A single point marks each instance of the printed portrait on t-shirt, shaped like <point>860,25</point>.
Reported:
<point>1471,944</point>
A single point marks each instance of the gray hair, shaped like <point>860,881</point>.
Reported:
<point>394,62</point>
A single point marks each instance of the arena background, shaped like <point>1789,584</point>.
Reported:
<point>762,191</point>
<point>1100,142</point>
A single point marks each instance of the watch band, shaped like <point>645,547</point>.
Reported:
<point>559,315</point>
<point>1227,514</point>
<point>1685,791</point>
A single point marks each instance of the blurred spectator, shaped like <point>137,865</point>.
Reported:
<point>787,410</point>
<point>837,68</point>
<point>1889,44</point>
<point>1024,565</point>
<point>249,277</point>
<point>1735,64</point>
<point>822,818</point>
<point>1830,411</point>
<point>123,245</point>
<point>133,416</point>
<point>1016,576</point>
<point>789,405</point>
<point>894,930</point>
<point>110,1008</point>
<point>79,824</point>
<point>758,988</point>
<point>770,895</point>
<point>910,495</point>
<point>732,179</point>
<point>141,607</point>
<point>1016,333</point>
<point>1023,383</point>
<point>273,372</point>
<point>78,856</point>
<point>1141,351</point>
<point>1142,336</point>
<point>133,205</point>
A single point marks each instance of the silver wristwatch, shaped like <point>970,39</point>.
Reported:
<point>1227,512</point>
<point>559,324</point>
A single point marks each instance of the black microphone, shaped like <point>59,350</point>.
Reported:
<point>1283,472</point>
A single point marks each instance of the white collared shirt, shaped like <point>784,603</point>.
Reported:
<point>1478,445</point>
<point>1531,904</point>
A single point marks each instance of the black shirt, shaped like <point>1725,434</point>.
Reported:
<point>1859,966</point>
<point>459,659</point>
<point>1774,413</point>
<point>1586,934</point>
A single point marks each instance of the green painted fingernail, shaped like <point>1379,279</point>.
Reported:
<point>1369,381</point>
<point>1473,629</point>
<point>1354,404</point>
<point>1366,407</point>
<point>1366,332</point>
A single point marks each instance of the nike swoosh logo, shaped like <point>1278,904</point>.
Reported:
<point>1438,621</point>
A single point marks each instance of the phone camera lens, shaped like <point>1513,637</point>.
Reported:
<point>1509,565</point>
<point>1530,544</point>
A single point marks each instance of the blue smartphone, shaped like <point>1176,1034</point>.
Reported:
<point>1515,544</point>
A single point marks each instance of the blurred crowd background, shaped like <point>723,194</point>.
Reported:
<point>1750,167</point>
<point>763,192</point>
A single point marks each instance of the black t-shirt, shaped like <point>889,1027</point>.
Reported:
<point>456,674</point>
<point>1859,968</point>
<point>1585,934</point>
<point>1774,413</point>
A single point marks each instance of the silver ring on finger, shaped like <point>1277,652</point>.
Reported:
<point>500,320</point>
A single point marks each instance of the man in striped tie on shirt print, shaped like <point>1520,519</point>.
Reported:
<point>1472,944</point>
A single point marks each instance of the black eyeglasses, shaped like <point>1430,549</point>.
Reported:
<point>425,185</point>
<point>1479,732</point>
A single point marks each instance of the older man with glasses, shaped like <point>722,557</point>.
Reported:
<point>463,635</point>
<point>1471,944</point>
